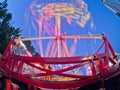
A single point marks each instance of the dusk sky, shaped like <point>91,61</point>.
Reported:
<point>104,19</point>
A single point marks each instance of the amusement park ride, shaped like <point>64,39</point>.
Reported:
<point>60,68</point>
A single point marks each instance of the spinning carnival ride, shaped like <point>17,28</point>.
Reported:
<point>58,65</point>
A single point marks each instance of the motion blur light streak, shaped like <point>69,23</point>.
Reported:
<point>51,18</point>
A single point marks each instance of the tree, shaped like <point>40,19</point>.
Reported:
<point>6,29</point>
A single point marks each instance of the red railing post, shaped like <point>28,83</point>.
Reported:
<point>92,68</point>
<point>8,84</point>
<point>99,65</point>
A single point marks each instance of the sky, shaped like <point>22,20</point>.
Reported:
<point>105,20</point>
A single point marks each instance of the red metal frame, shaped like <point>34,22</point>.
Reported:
<point>9,65</point>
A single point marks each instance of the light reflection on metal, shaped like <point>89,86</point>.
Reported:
<point>62,37</point>
<point>113,5</point>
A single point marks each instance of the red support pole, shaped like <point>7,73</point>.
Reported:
<point>8,50</point>
<point>8,84</point>
<point>92,68</point>
<point>99,65</point>
<point>106,53</point>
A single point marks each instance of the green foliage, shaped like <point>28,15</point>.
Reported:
<point>6,30</point>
